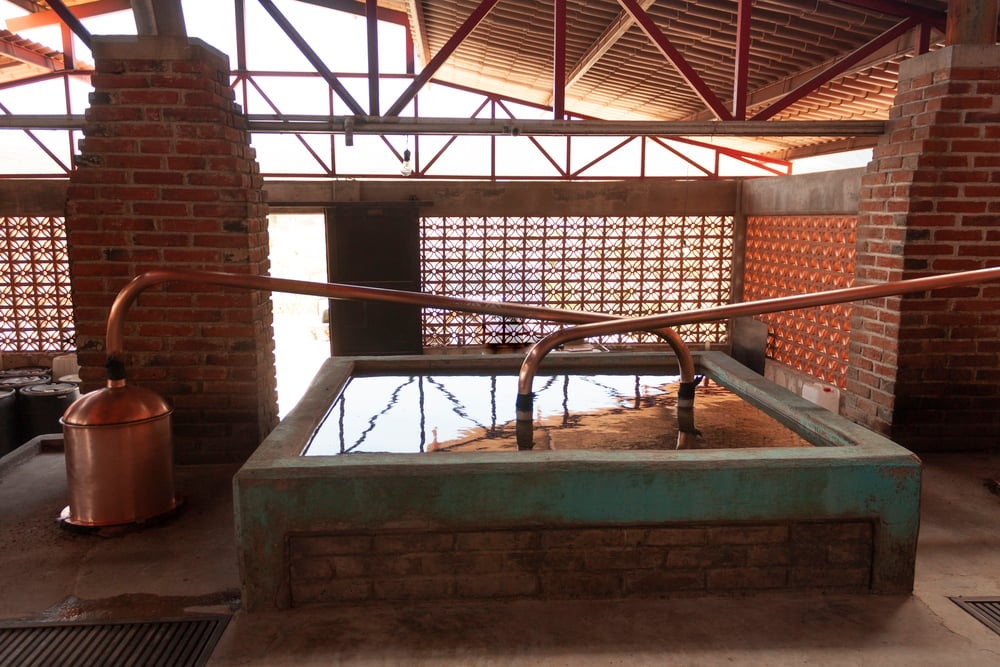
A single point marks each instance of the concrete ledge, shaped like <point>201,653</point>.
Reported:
<point>49,442</point>
<point>965,56</point>
<point>145,47</point>
<point>824,193</point>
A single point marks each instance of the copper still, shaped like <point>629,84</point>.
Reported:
<point>119,455</point>
<point>119,449</point>
<point>118,442</point>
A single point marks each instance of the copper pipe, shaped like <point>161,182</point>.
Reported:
<point>529,367</point>
<point>129,293</point>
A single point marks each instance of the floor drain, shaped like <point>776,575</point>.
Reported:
<point>987,610</point>
<point>177,642</point>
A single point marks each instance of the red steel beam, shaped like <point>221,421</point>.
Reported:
<point>642,157</point>
<point>44,18</point>
<point>411,65</point>
<point>359,8</point>
<point>241,37</point>
<point>474,19</point>
<point>248,80</point>
<point>559,59</point>
<point>686,158</point>
<point>837,69</point>
<point>603,155</point>
<point>29,56</point>
<point>312,56</point>
<point>742,69</point>
<point>68,46</point>
<point>901,9</point>
<point>17,83</point>
<point>500,99</point>
<point>39,143</point>
<point>371,23</point>
<point>538,145</point>
<point>736,154</point>
<point>710,99</point>
<point>452,139</point>
<point>924,39</point>
<point>67,17</point>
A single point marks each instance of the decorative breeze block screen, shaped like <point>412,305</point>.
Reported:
<point>788,255</point>
<point>36,310</point>
<point>625,266</point>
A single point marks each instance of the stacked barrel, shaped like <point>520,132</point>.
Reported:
<point>32,400</point>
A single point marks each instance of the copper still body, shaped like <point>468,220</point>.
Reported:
<point>119,457</point>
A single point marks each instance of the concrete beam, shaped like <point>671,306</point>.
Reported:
<point>439,198</point>
<point>831,193</point>
<point>24,197</point>
<point>824,193</point>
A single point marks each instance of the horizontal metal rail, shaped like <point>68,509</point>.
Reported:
<point>306,124</point>
<point>560,128</point>
<point>539,350</point>
<point>129,293</point>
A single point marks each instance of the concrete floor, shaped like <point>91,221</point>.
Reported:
<point>188,565</point>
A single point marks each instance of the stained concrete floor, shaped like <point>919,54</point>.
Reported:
<point>189,566</point>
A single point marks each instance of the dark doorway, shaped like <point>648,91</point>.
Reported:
<point>374,245</point>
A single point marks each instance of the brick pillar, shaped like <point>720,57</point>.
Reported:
<point>925,369</point>
<point>167,179</point>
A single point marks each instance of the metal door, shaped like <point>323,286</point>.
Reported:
<point>374,245</point>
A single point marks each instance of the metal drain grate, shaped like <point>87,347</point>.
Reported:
<point>987,610</point>
<point>177,642</point>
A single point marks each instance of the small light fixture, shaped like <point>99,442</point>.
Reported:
<point>406,167</point>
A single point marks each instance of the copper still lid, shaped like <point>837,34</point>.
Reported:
<point>116,405</point>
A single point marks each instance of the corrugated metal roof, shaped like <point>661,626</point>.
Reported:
<point>511,51</point>
<point>622,74</point>
<point>20,57</point>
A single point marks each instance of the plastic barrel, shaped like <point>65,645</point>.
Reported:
<point>8,421</point>
<point>43,405</point>
<point>16,383</point>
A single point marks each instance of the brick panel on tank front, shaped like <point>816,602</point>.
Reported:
<point>925,369</point>
<point>167,179</point>
<point>605,562</point>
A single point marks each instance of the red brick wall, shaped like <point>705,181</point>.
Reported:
<point>787,255</point>
<point>167,179</point>
<point>925,369</point>
<point>612,562</point>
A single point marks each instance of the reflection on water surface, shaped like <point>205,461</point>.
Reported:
<point>439,413</point>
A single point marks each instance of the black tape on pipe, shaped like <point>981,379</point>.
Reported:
<point>525,428</point>
<point>686,389</point>
<point>115,368</point>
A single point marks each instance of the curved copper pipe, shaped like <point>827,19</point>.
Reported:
<point>529,367</point>
<point>131,291</point>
